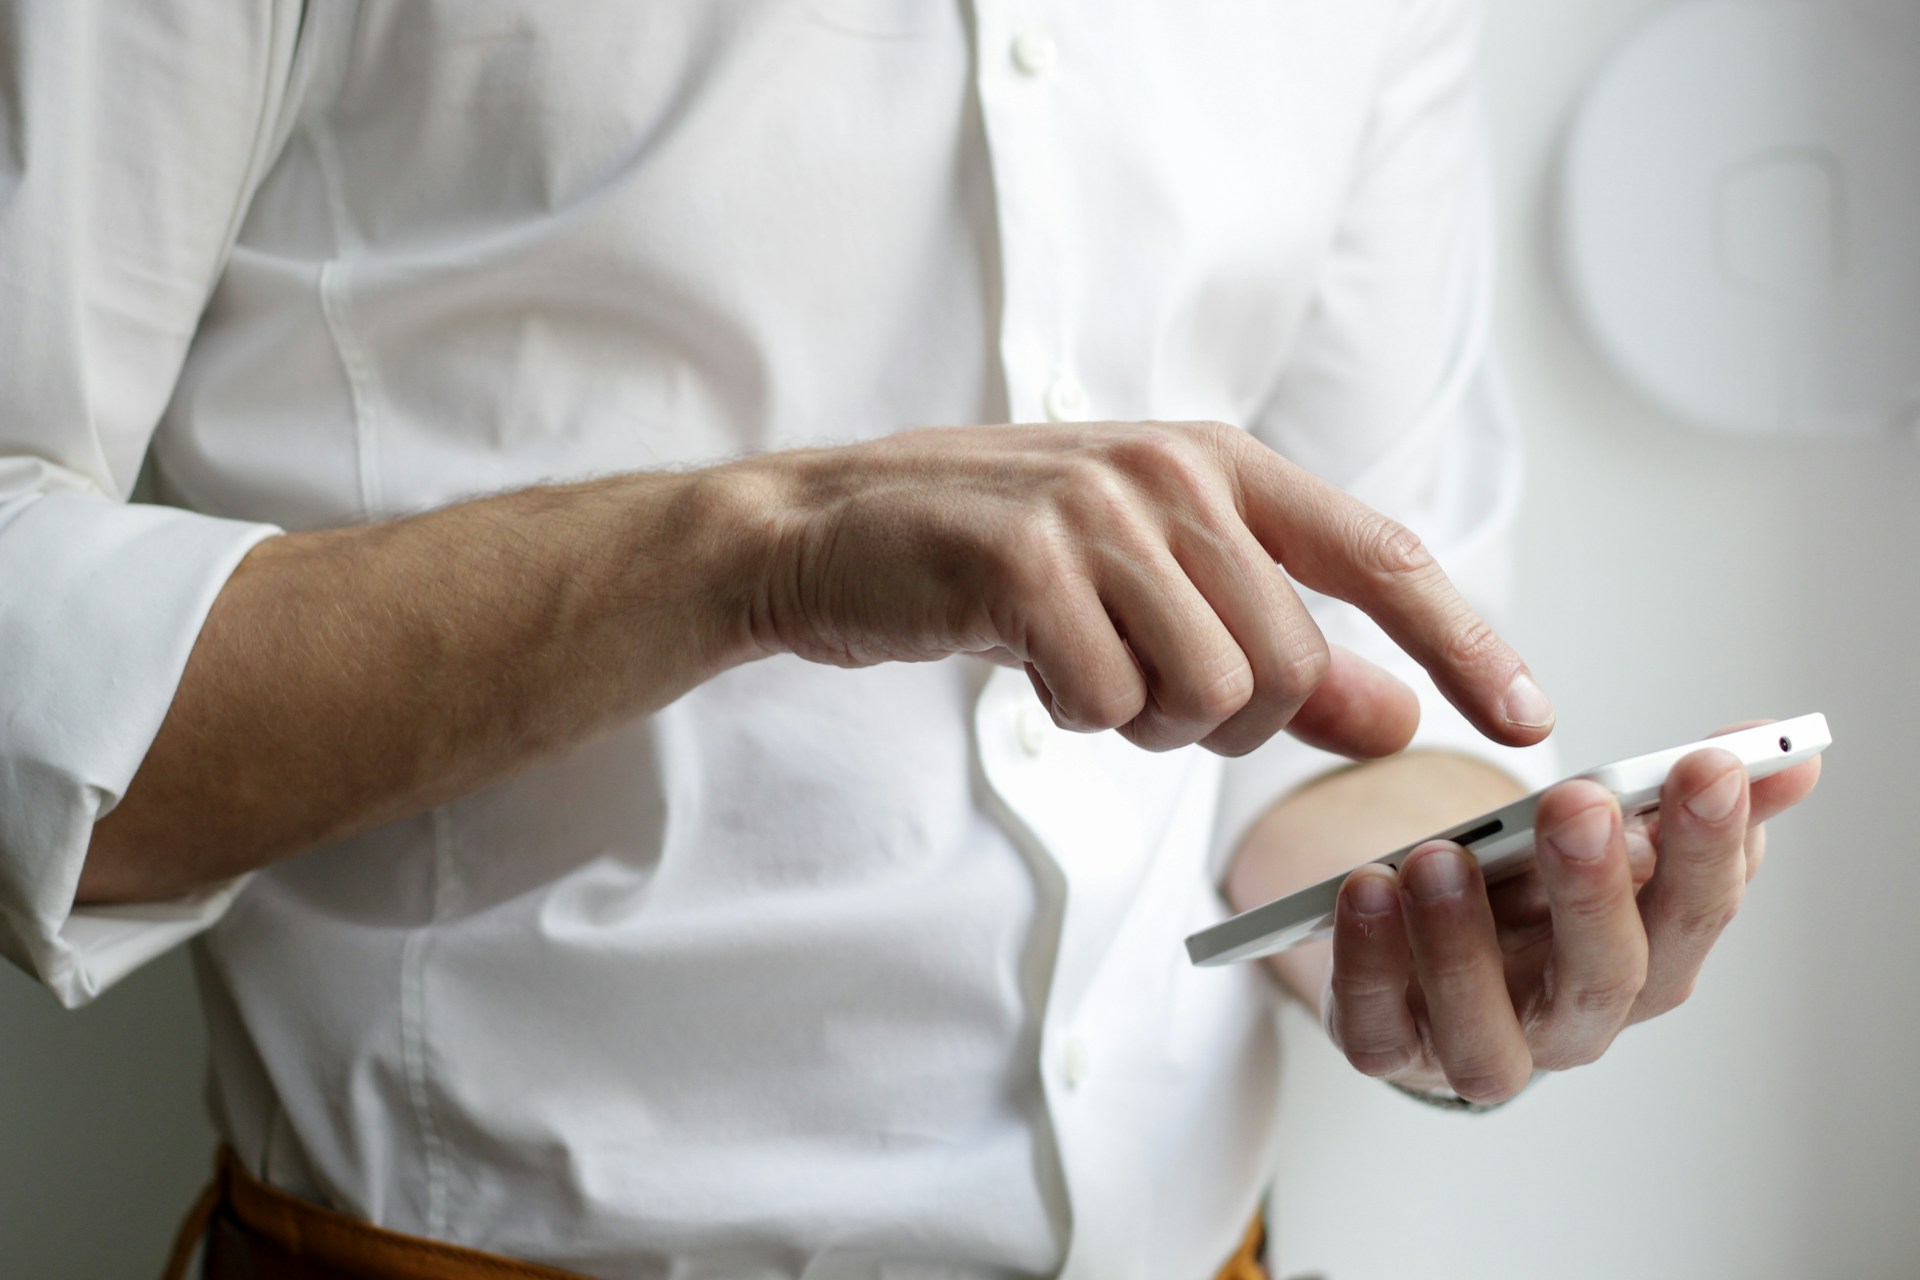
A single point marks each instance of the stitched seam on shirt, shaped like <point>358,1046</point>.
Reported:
<point>336,309</point>
<point>419,1087</point>
<point>413,1035</point>
<point>337,312</point>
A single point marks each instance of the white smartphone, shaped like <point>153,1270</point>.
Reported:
<point>1502,841</point>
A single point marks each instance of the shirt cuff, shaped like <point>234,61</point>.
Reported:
<point>102,606</point>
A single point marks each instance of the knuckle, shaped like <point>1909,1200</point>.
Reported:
<point>1592,907</point>
<point>1151,731</point>
<point>1582,1053</point>
<point>1379,1062</point>
<point>1469,644</point>
<point>1217,441</point>
<point>1702,924</point>
<point>1303,668</point>
<point>1456,971</point>
<point>1214,432</point>
<point>1147,451</point>
<point>1219,698</point>
<point>1096,495</point>
<point>1236,742</point>
<point>1489,1082</point>
<point>1103,707</point>
<point>1389,549</point>
<point>1188,476</point>
<point>1352,986</point>
<point>1610,997</point>
<point>1181,472</point>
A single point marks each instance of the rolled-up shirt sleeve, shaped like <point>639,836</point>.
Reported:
<point>131,137</point>
<point>1392,391</point>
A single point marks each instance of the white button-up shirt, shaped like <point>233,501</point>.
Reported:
<point>816,972</point>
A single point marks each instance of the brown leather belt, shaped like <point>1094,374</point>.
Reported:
<point>257,1232</point>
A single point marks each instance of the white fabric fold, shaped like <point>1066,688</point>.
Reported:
<point>100,608</point>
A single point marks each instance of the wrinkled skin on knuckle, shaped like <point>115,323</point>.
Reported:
<point>1223,443</point>
<point>1302,666</point>
<point>1345,986</point>
<point>1566,1057</point>
<point>1608,1000</point>
<point>1703,925</point>
<point>1233,744</point>
<point>1180,473</point>
<point>1144,452</point>
<point>1213,433</point>
<point>1369,1058</point>
<point>1455,971</point>
<point>1216,700</point>
<point>1378,1063</point>
<point>1187,477</point>
<point>1152,730</point>
<point>1590,906</point>
<point>1105,707</point>
<point>1390,551</point>
<point>1094,499</point>
<point>1469,643</point>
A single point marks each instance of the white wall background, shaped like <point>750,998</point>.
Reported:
<point>1670,582</point>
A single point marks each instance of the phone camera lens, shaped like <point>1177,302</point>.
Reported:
<point>1786,744</point>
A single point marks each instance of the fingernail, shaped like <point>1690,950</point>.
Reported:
<point>1370,894</point>
<point>1584,836</point>
<point>1527,703</point>
<point>1435,874</point>
<point>1715,801</point>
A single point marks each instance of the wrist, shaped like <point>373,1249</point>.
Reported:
<point>729,541</point>
<point>785,509</point>
<point>742,534</point>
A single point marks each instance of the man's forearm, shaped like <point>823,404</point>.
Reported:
<point>1345,818</point>
<point>347,678</point>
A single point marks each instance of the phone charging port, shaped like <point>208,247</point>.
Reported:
<point>1480,832</point>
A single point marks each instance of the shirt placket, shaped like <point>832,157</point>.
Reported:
<point>1025,54</point>
<point>1022,60</point>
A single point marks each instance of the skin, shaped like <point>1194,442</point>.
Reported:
<point>1471,990</point>
<point>346,678</point>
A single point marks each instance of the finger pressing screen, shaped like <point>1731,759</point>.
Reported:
<point>1338,545</point>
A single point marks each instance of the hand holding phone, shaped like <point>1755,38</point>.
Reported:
<point>1436,982</point>
<point>1502,841</point>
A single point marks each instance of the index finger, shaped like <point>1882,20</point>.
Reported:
<point>1339,546</point>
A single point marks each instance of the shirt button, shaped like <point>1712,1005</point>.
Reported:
<point>1034,51</point>
<point>1076,1061</point>
<point>1030,727</point>
<point>1066,399</point>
